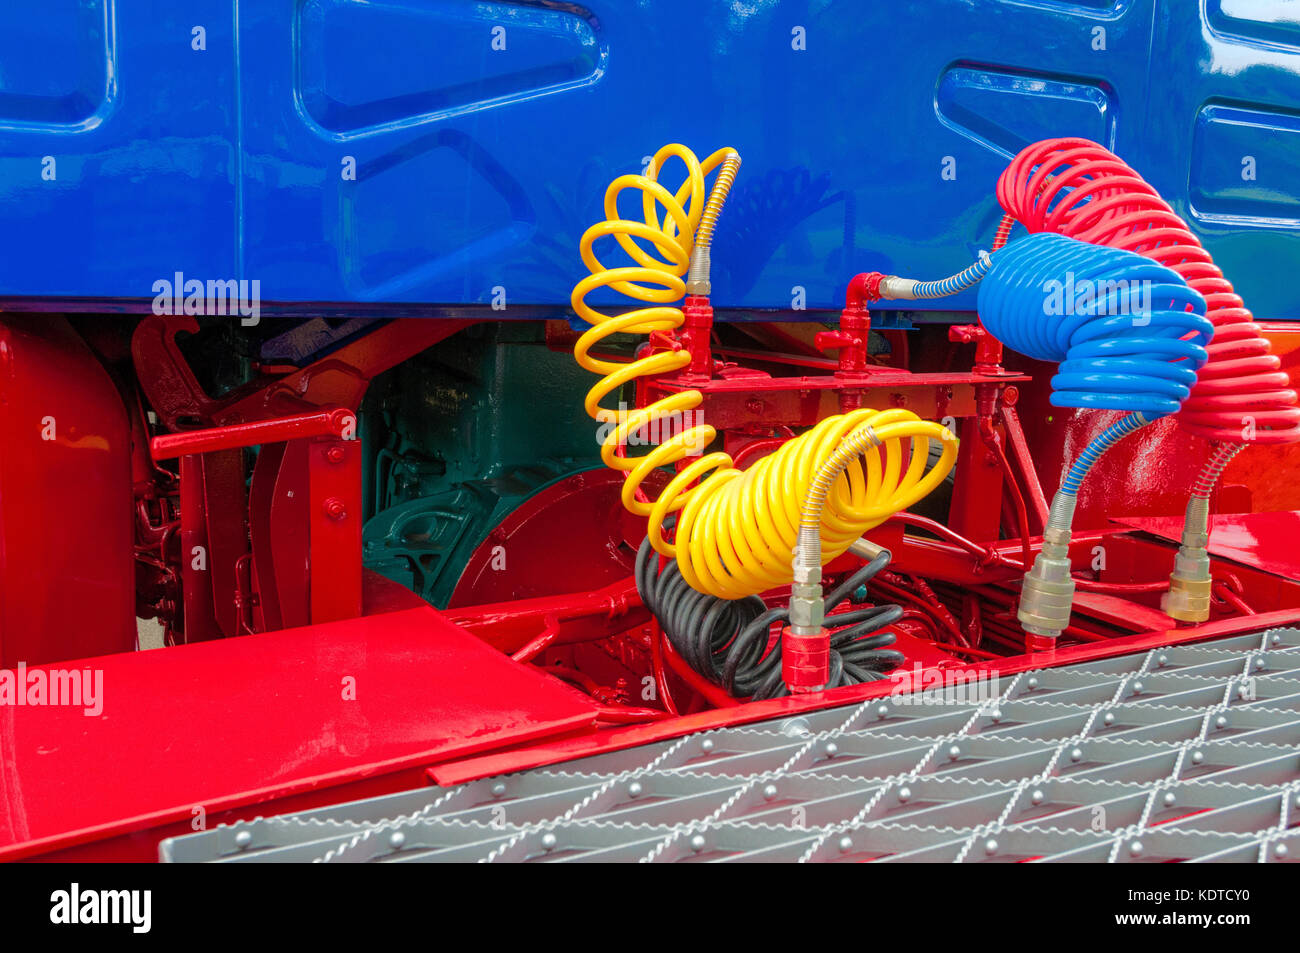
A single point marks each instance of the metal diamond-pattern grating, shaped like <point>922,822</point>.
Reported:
<point>1187,753</point>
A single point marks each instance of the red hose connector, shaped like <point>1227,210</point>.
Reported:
<point>695,332</point>
<point>854,333</point>
<point>851,340</point>
<point>862,289</point>
<point>1075,187</point>
<point>805,660</point>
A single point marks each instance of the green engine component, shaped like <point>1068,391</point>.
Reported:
<point>459,436</point>
<point>425,543</point>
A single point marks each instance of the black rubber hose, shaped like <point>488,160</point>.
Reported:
<point>726,640</point>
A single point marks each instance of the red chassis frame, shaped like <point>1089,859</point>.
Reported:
<point>355,687</point>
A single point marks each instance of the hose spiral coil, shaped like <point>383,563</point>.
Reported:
<point>1129,333</point>
<point>736,530</point>
<point>727,640</point>
<point>1077,188</point>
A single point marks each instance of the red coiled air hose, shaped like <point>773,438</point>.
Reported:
<point>1077,188</point>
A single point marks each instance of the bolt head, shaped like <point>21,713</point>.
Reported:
<point>1076,754</point>
<point>243,839</point>
<point>990,847</point>
<point>904,795</point>
<point>697,843</point>
<point>1137,688</point>
<point>1109,719</point>
<point>795,728</point>
<point>1162,661</point>
<point>499,789</point>
<point>954,753</point>
<point>996,715</point>
<point>1170,798</point>
<point>1032,683</point>
<point>1038,797</point>
<point>634,789</point>
<point>396,840</point>
<point>1136,848</point>
<point>1197,757</point>
<point>832,749</point>
<point>706,744</point>
<point>549,841</point>
<point>1221,721</point>
<point>769,792</point>
<point>1279,850</point>
<point>846,843</point>
<point>882,711</point>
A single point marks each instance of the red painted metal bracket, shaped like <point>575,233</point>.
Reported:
<point>334,506</point>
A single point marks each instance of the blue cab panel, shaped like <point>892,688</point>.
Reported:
<point>409,154</point>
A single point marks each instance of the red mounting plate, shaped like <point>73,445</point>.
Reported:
<point>1263,540</point>
<point>241,721</point>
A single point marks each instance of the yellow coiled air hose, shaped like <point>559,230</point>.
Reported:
<point>737,529</point>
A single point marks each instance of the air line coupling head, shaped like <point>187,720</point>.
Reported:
<point>1048,590</point>
<point>1188,598</point>
<point>805,660</point>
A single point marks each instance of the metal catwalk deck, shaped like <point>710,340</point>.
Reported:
<point>1178,754</point>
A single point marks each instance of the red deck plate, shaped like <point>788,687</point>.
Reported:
<point>236,721</point>
<point>1266,541</point>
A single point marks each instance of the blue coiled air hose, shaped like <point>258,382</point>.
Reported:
<point>1129,335</point>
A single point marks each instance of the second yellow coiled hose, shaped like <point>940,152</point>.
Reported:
<point>737,529</point>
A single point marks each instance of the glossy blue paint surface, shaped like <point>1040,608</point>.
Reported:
<point>478,167</point>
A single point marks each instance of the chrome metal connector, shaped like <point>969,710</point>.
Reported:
<point>896,288</point>
<point>866,550</point>
<point>807,603</point>
<point>697,277</point>
<point>1047,594</point>
<point>1188,598</point>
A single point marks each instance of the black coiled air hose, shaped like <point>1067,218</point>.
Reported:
<point>725,639</point>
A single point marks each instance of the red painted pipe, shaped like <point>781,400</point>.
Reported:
<point>336,422</point>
